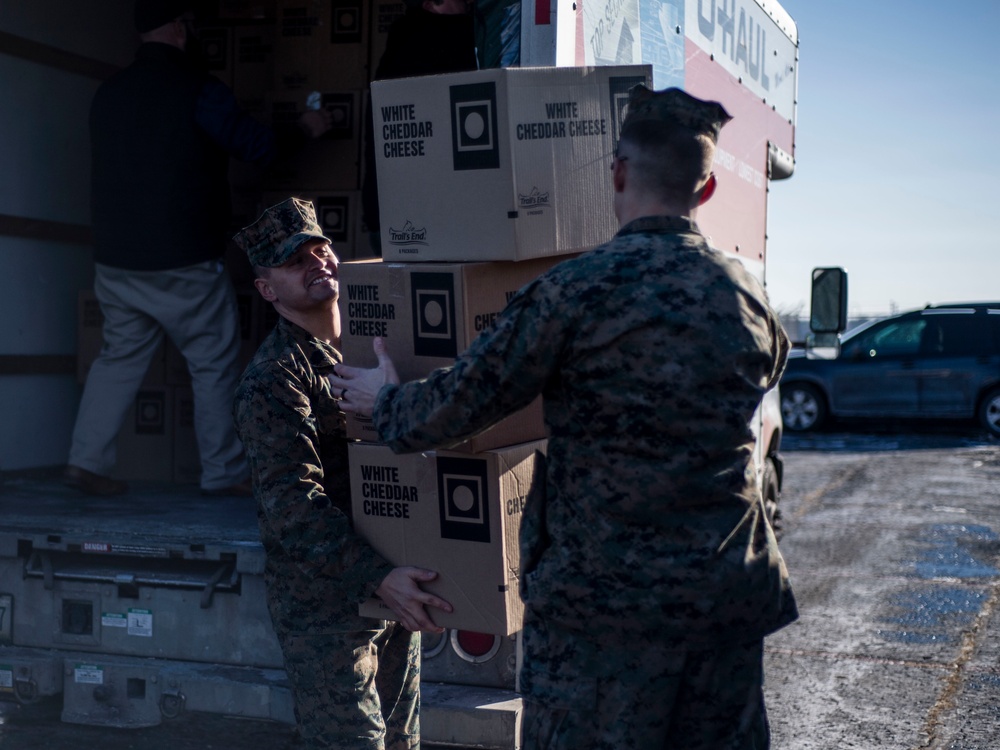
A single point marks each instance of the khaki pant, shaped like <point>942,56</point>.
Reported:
<point>196,307</point>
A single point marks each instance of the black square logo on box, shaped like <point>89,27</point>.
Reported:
<point>345,21</point>
<point>341,109</point>
<point>618,88</point>
<point>432,297</point>
<point>150,413</point>
<point>474,135</point>
<point>463,499</point>
<point>215,48</point>
<point>334,216</point>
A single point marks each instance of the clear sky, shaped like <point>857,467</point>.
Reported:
<point>897,149</point>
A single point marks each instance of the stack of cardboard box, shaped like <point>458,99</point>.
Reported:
<point>290,55</point>
<point>278,56</point>
<point>486,180</point>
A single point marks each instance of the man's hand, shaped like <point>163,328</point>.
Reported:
<point>401,592</point>
<point>315,122</point>
<point>357,388</point>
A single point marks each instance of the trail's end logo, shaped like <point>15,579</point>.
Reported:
<point>535,199</point>
<point>408,235</point>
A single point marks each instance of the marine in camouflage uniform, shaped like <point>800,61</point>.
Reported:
<point>355,679</point>
<point>649,571</point>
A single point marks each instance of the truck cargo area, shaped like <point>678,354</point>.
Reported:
<point>140,609</point>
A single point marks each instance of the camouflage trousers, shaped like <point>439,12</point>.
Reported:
<point>581,695</point>
<point>357,690</point>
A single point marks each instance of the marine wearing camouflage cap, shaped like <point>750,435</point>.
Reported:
<point>674,106</point>
<point>279,232</point>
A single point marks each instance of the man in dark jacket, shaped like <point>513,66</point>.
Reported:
<point>162,132</point>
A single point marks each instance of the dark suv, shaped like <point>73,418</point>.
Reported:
<point>939,362</point>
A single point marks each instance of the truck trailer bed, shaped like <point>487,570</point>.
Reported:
<point>132,610</point>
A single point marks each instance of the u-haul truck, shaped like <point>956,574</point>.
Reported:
<point>133,611</point>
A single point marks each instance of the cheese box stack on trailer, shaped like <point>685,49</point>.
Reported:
<point>487,179</point>
<point>503,164</point>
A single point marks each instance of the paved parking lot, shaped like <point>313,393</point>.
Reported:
<point>893,544</point>
<point>892,539</point>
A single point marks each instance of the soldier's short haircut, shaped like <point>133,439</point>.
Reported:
<point>674,161</point>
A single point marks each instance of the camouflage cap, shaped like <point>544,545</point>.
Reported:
<point>676,106</point>
<point>278,233</point>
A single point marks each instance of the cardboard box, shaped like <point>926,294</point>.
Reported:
<point>428,314</point>
<point>177,373</point>
<point>187,460</point>
<point>246,10</point>
<point>217,49</point>
<point>330,162</point>
<point>321,45</point>
<point>366,165</point>
<point>237,264</point>
<point>384,14</point>
<point>527,424</point>
<point>145,447</point>
<point>500,164</point>
<point>89,332</point>
<point>457,514</point>
<point>253,69</point>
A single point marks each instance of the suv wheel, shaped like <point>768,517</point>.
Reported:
<point>802,407</point>
<point>989,412</point>
<point>771,493</point>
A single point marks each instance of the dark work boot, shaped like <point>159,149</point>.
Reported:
<point>90,483</point>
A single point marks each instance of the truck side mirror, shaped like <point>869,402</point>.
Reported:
<point>828,308</point>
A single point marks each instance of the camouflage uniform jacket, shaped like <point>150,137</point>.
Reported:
<point>652,353</point>
<point>318,569</point>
